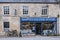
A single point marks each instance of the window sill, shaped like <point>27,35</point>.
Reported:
<point>44,15</point>
<point>6,15</point>
<point>25,15</point>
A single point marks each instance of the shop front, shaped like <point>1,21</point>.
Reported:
<point>38,26</point>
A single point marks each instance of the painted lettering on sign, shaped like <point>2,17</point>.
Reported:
<point>39,19</point>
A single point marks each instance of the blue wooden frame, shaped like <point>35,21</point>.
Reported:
<point>47,20</point>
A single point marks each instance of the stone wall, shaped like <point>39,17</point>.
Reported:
<point>53,10</point>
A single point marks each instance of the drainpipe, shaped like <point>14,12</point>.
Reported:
<point>58,1</point>
<point>58,23</point>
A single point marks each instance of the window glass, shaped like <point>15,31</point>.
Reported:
<point>28,27</point>
<point>25,9</point>
<point>6,9</point>
<point>44,10</point>
<point>6,26</point>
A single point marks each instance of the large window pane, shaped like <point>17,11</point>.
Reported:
<point>27,27</point>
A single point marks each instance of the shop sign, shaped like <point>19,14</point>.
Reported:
<point>39,19</point>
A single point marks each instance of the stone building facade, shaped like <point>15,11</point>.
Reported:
<point>11,12</point>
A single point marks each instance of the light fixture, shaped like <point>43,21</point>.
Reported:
<point>58,15</point>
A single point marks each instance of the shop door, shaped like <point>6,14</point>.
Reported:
<point>38,28</point>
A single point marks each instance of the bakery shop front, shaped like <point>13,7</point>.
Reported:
<point>38,26</point>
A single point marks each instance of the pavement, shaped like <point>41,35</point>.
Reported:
<point>32,38</point>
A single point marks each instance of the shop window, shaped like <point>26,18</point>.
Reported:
<point>27,27</point>
<point>47,28</point>
<point>6,26</point>
<point>48,25</point>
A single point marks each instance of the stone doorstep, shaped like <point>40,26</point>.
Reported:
<point>23,35</point>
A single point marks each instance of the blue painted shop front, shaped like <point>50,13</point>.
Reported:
<point>39,20</point>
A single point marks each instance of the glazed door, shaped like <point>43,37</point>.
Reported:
<point>38,28</point>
